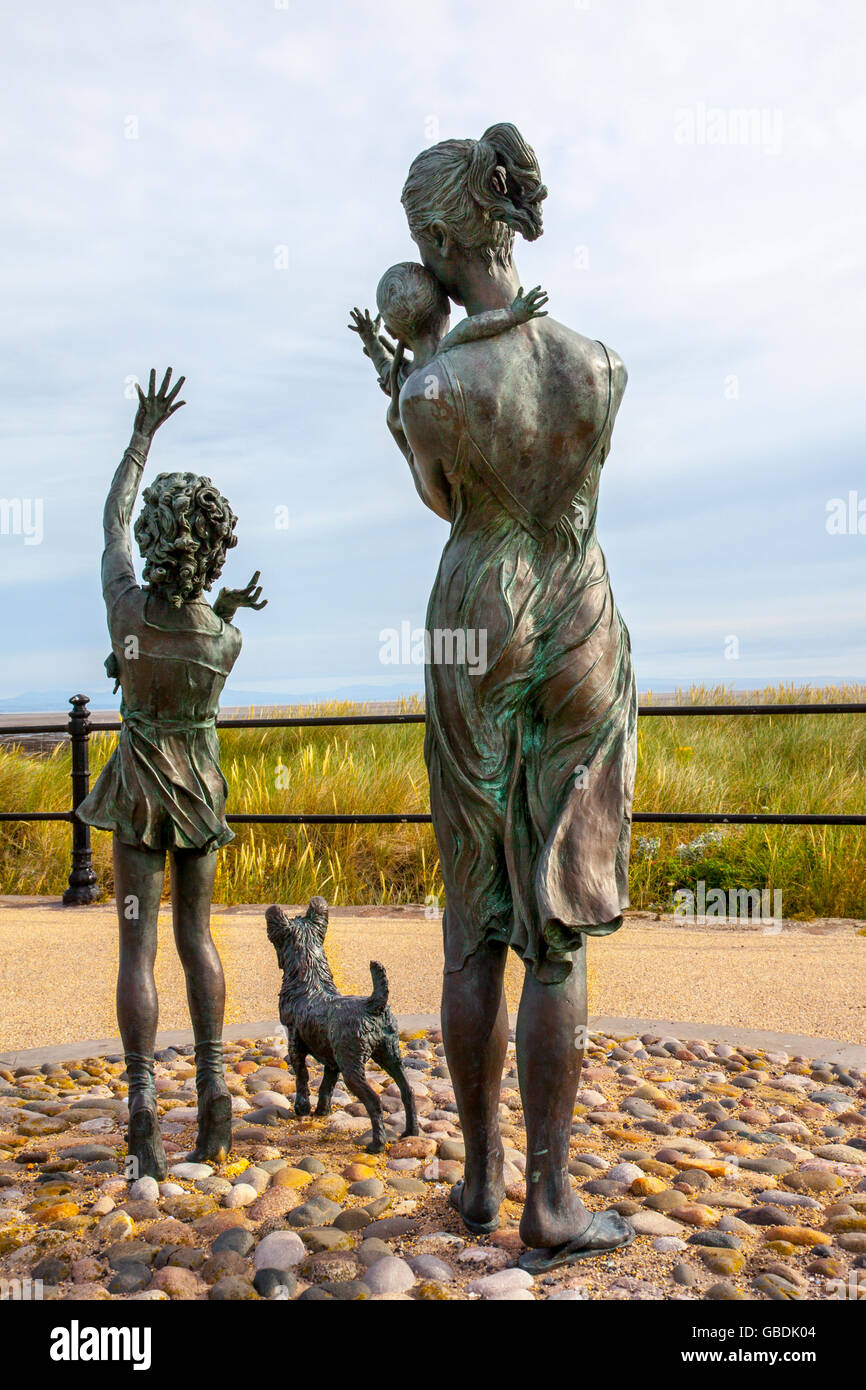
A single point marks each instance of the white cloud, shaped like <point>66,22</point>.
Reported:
<point>260,127</point>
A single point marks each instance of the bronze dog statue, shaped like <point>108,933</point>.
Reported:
<point>341,1031</point>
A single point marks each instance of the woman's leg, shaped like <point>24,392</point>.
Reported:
<point>138,880</point>
<point>192,878</point>
<point>551,1035</point>
<point>475,1034</point>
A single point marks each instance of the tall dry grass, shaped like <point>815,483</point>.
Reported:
<point>767,763</point>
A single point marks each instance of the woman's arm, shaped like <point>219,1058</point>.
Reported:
<point>410,419</point>
<point>118,573</point>
<point>431,488</point>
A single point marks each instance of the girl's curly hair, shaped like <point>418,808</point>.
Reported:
<point>183,532</point>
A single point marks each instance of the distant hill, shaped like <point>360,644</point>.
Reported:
<point>102,698</point>
<point>56,700</point>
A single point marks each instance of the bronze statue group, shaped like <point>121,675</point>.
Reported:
<point>505,423</point>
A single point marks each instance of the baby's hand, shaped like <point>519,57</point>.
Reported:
<point>528,306</point>
<point>368,329</point>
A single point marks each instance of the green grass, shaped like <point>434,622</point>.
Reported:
<point>792,763</point>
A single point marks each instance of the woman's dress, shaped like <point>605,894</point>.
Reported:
<point>532,761</point>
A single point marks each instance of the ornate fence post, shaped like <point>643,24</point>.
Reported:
<point>83,887</point>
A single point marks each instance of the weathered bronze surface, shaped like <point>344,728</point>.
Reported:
<point>343,1032</point>
<point>532,757</point>
<point>163,791</point>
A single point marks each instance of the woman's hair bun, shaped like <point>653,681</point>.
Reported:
<point>505,181</point>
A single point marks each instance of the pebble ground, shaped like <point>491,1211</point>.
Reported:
<point>744,1173</point>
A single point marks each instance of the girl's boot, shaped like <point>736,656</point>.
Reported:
<point>143,1137</point>
<point>214,1104</point>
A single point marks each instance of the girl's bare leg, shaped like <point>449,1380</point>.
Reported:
<point>138,878</point>
<point>192,879</point>
<point>192,875</point>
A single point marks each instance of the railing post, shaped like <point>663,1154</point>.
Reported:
<point>83,887</point>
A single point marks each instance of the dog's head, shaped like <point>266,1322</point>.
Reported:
<point>298,936</point>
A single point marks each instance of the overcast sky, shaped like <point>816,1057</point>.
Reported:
<point>211,186</point>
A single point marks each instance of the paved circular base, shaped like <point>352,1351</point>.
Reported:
<point>795,1044</point>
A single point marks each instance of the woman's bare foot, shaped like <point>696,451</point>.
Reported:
<point>607,1231</point>
<point>551,1219</point>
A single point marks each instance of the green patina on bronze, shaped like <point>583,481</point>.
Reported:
<point>505,424</point>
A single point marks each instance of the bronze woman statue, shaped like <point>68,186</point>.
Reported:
<point>162,790</point>
<point>531,762</point>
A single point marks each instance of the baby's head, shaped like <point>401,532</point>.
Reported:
<point>412,303</point>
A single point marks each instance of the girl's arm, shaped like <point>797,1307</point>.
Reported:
<point>118,573</point>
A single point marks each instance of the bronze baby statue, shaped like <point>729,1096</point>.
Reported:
<point>416,311</point>
<point>162,791</point>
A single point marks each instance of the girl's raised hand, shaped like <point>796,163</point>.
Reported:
<point>156,406</point>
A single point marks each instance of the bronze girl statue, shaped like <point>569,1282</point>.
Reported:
<point>531,761</point>
<point>162,791</point>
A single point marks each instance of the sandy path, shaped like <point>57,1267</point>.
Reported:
<point>57,969</point>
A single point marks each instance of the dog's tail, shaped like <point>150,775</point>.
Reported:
<point>378,1000</point>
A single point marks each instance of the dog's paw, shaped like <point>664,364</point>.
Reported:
<point>409,1132</point>
<point>302,1107</point>
<point>323,1109</point>
<point>374,1148</point>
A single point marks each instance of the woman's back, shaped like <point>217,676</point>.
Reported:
<point>538,404</point>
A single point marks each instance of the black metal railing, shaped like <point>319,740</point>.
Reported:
<point>83,887</point>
